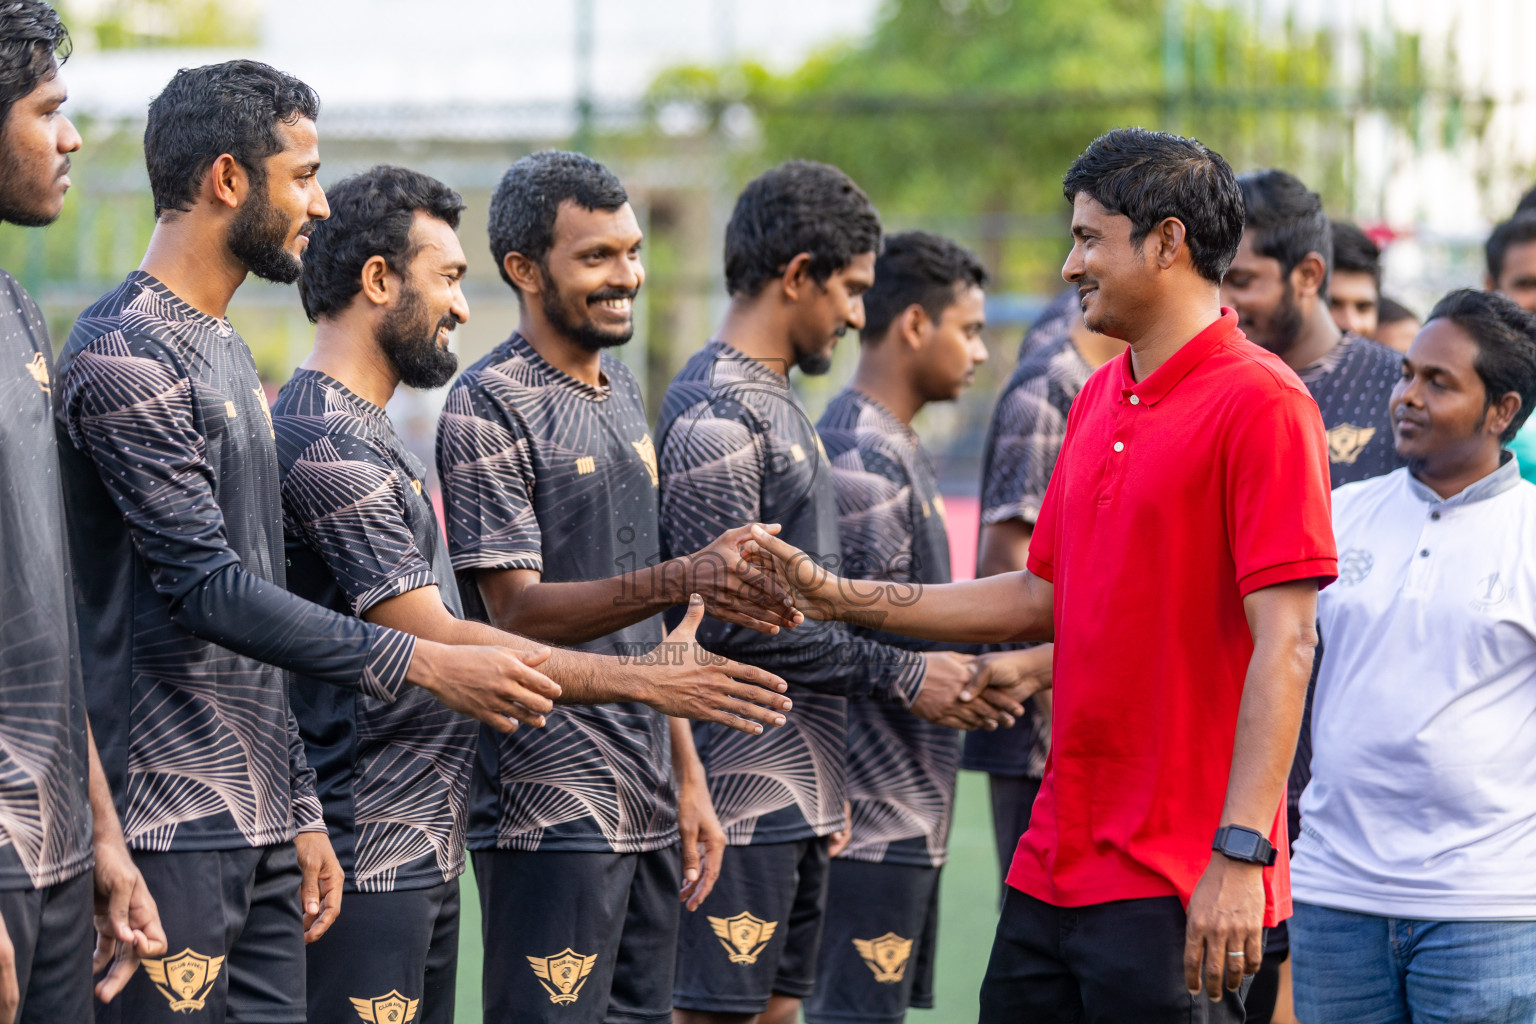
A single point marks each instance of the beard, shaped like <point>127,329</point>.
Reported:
<point>18,203</point>
<point>1284,325</point>
<point>259,235</point>
<point>584,332</point>
<point>814,362</point>
<point>408,338</point>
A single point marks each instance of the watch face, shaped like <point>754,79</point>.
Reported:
<point>1242,844</point>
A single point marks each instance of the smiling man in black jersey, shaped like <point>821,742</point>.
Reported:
<point>187,633</point>
<point>584,831</point>
<point>382,281</point>
<point>57,815</point>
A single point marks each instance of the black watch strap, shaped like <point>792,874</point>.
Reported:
<point>1244,844</point>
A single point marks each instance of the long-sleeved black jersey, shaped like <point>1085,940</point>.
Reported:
<point>175,522</point>
<point>737,447</point>
<point>45,817</point>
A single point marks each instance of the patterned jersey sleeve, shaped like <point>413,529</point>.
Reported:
<point>712,471</point>
<point>136,418</point>
<point>1027,432</point>
<point>347,501</point>
<point>487,474</point>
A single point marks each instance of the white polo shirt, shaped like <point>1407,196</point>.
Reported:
<point>1423,795</point>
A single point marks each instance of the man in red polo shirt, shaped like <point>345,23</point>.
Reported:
<point>1175,563</point>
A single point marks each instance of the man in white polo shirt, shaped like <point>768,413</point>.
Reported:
<point>1415,875</point>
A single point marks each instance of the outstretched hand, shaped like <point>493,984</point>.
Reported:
<point>1008,678</point>
<point>813,588</point>
<point>496,685</point>
<point>737,590</point>
<point>686,681</point>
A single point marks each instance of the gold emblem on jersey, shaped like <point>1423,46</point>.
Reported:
<point>586,464</point>
<point>185,979</point>
<point>392,1008</point>
<point>38,368</point>
<point>743,936</point>
<point>887,956</point>
<point>261,403</point>
<point>1346,441</point>
<point>563,974</point>
<point>416,486</point>
<point>647,451</point>
<point>230,410</point>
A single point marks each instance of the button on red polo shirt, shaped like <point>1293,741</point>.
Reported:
<point>1172,500</point>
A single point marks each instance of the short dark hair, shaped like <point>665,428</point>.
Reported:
<point>1149,176</point>
<point>206,112</point>
<point>1527,201</point>
<point>1518,230</point>
<point>1354,252</point>
<point>1286,218</point>
<point>1390,311</point>
<point>528,198</point>
<point>371,215</point>
<point>797,207</point>
<point>1506,346</point>
<point>918,268</point>
<point>33,43</point>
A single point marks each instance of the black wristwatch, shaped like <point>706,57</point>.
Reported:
<point>1238,843</point>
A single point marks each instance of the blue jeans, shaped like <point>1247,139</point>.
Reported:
<point>1366,969</point>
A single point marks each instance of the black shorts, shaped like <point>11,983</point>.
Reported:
<point>236,937</point>
<point>392,953</point>
<point>877,944</point>
<point>578,938</point>
<point>51,931</point>
<point>757,933</point>
<point>1120,962</point>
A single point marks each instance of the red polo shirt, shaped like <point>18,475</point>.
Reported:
<point>1173,498</point>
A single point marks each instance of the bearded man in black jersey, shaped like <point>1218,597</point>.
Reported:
<point>585,834</point>
<point>57,815</point>
<point>187,633</point>
<point>382,281</point>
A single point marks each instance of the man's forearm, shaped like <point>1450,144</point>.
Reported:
<point>1268,722</point>
<point>574,612</point>
<point>104,824</point>
<point>997,609</point>
<point>584,678</point>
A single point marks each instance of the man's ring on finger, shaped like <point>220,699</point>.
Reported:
<point>1236,952</point>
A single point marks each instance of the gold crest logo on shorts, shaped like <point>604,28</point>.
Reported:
<point>743,936</point>
<point>392,1008</point>
<point>38,368</point>
<point>887,956</point>
<point>1346,441</point>
<point>563,974</point>
<point>185,979</point>
<point>646,448</point>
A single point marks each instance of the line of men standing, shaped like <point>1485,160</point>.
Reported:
<point>224,546</point>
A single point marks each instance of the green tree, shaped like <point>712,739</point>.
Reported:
<point>971,110</point>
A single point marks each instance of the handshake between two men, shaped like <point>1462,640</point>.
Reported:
<point>737,582</point>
